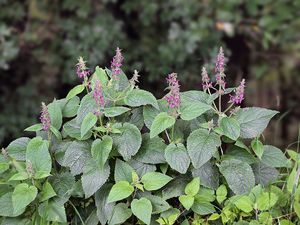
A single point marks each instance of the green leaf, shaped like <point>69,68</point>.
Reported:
<point>187,201</point>
<point>253,120</point>
<point>238,175</point>
<point>257,147</point>
<point>17,148</point>
<point>119,191</point>
<point>221,193</point>
<point>154,180</point>
<point>141,168</point>
<point>152,150</point>
<point>142,209</point>
<point>75,91</point>
<point>47,192</point>
<point>23,175</point>
<point>77,154</point>
<point>266,201</point>
<point>71,107</point>
<point>286,222</point>
<point>274,157</point>
<point>56,133</point>
<point>123,171</point>
<point>55,114</point>
<point>101,149</point>
<point>22,196</point>
<point>94,177</point>
<point>244,203</point>
<point>129,141</point>
<point>241,154</point>
<point>177,157</point>
<point>193,187</point>
<point>35,127</point>
<point>100,74</point>
<point>38,155</point>
<point>138,97</point>
<point>297,208</point>
<point>159,204</point>
<point>191,110</point>
<point>230,128</point>
<point>7,208</point>
<point>264,174</point>
<point>87,124</point>
<point>161,122</point>
<point>53,210</point>
<point>203,208</point>
<point>104,209</point>
<point>62,184</point>
<point>149,113</point>
<point>208,174</point>
<point>201,146</point>
<point>115,111</point>
<point>120,214</point>
<point>87,105</point>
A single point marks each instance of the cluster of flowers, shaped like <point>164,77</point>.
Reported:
<point>172,98</point>
<point>220,80</point>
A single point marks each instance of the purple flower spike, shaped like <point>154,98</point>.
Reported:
<point>81,68</point>
<point>220,62</point>
<point>116,63</point>
<point>206,84</point>
<point>45,117</point>
<point>239,94</point>
<point>98,94</point>
<point>173,98</point>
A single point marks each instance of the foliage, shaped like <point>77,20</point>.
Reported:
<point>135,160</point>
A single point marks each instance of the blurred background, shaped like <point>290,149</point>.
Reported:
<point>40,41</point>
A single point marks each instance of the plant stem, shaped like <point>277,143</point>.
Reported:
<point>76,211</point>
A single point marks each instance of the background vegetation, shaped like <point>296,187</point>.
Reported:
<point>40,41</point>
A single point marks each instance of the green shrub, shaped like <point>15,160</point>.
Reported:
<point>118,155</point>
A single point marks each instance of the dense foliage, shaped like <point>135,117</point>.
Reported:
<point>39,42</point>
<point>117,155</point>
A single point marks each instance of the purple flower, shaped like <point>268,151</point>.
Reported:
<point>116,63</point>
<point>220,62</point>
<point>45,117</point>
<point>98,94</point>
<point>81,68</point>
<point>239,93</point>
<point>173,98</point>
<point>206,84</point>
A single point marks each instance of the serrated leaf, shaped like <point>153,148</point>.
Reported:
<point>129,141</point>
<point>71,107</point>
<point>161,122</point>
<point>35,127</point>
<point>115,111</point>
<point>139,97</point>
<point>241,154</point>
<point>104,209</point>
<point>187,201</point>
<point>75,91</point>
<point>93,177</point>
<point>208,174</point>
<point>158,204</point>
<point>189,110</point>
<point>201,145</point>
<point>152,150</point>
<point>76,156</point>
<point>120,214</point>
<point>87,105</point>
<point>274,157</point>
<point>203,208</point>
<point>38,155</point>
<point>101,149</point>
<point>230,127</point>
<point>221,193</point>
<point>253,120</point>
<point>193,187</point>
<point>238,175</point>
<point>87,124</point>
<point>257,147</point>
<point>6,208</point>
<point>177,157</point>
<point>17,148</point>
<point>22,196</point>
<point>266,201</point>
<point>119,191</point>
<point>141,168</point>
<point>244,203</point>
<point>55,114</point>
<point>53,210</point>
<point>72,129</point>
<point>47,192</point>
<point>62,184</point>
<point>264,174</point>
<point>142,209</point>
<point>123,171</point>
<point>154,180</point>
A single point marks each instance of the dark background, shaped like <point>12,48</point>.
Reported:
<point>40,41</point>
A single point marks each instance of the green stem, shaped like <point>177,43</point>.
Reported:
<point>229,107</point>
<point>76,211</point>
